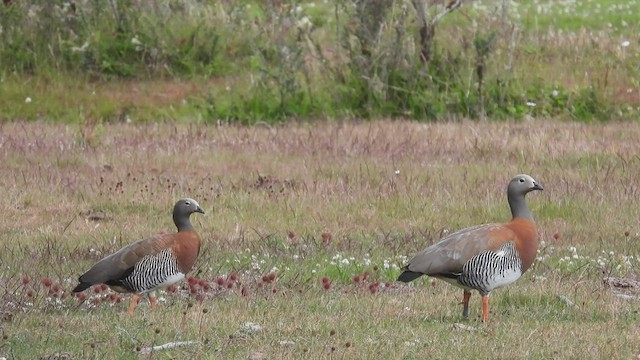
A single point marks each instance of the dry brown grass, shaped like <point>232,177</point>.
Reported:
<point>261,183</point>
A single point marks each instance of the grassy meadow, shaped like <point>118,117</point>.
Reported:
<point>306,228</point>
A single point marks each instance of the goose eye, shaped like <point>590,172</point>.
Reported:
<point>187,203</point>
<point>521,180</point>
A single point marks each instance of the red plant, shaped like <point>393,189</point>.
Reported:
<point>25,280</point>
<point>233,276</point>
<point>326,238</point>
<point>373,287</point>
<point>46,282</point>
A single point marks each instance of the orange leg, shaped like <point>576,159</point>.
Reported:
<point>465,303</point>
<point>134,301</point>
<point>153,301</point>
<point>485,309</point>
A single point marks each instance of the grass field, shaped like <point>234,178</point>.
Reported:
<point>314,205</point>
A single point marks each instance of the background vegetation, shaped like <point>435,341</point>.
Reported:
<point>251,61</point>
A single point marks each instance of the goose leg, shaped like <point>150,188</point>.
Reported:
<point>134,301</point>
<point>465,303</point>
<point>485,308</point>
<point>153,300</point>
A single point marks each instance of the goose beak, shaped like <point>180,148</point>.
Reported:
<point>199,210</point>
<point>537,186</point>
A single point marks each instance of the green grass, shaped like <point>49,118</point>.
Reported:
<point>329,205</point>
<point>253,62</point>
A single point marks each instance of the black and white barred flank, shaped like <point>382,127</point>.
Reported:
<point>492,269</point>
<point>151,271</point>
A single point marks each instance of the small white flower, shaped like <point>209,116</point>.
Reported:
<point>136,41</point>
<point>397,172</point>
<point>345,261</point>
<point>304,23</point>
<point>531,104</point>
<point>625,43</point>
<point>27,100</point>
<point>555,93</point>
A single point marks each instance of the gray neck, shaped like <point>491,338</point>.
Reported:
<point>519,207</point>
<point>182,222</point>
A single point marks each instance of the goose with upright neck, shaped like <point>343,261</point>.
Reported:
<point>149,264</point>
<point>484,257</point>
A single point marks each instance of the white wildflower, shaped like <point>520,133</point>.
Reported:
<point>531,104</point>
<point>625,43</point>
<point>27,100</point>
<point>304,24</point>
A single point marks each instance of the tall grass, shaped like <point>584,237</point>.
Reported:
<point>269,61</point>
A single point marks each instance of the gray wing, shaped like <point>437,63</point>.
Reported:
<point>451,253</point>
<point>120,263</point>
